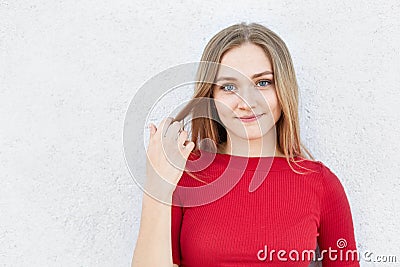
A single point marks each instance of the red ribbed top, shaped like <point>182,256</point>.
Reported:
<point>248,207</point>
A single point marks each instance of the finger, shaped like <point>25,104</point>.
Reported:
<point>173,130</point>
<point>186,146</point>
<point>181,138</point>
<point>182,125</point>
<point>183,143</point>
<point>153,129</point>
<point>187,149</point>
<point>164,124</point>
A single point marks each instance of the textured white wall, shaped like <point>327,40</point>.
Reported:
<point>68,70</point>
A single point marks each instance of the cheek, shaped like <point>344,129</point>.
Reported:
<point>224,106</point>
<point>275,107</point>
<point>271,104</point>
<point>271,100</point>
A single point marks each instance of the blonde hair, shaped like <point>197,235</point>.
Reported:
<point>287,127</point>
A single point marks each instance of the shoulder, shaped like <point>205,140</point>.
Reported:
<point>331,187</point>
<point>323,171</point>
<point>328,177</point>
<point>306,166</point>
<point>322,176</point>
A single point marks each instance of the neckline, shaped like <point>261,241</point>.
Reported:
<point>253,163</point>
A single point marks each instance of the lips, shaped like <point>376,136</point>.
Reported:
<point>250,118</point>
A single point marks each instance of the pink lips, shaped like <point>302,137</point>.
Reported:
<point>250,118</point>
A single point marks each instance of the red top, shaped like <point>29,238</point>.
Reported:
<point>222,222</point>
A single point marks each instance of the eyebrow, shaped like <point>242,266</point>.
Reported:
<point>253,77</point>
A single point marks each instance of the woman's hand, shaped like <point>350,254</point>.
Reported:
<point>167,154</point>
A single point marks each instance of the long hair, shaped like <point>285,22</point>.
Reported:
<point>287,127</point>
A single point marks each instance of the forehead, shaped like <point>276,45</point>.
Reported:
<point>247,58</point>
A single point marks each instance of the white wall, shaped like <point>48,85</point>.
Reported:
<point>68,70</point>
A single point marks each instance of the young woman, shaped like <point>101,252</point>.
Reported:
<point>260,201</point>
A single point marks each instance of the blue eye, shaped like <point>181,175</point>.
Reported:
<point>228,87</point>
<point>264,83</point>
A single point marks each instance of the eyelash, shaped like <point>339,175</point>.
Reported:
<point>223,87</point>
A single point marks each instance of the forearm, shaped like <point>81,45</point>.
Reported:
<point>153,246</point>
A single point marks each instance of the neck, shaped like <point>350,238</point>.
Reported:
<point>262,147</point>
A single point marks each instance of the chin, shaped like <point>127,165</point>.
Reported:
<point>251,136</point>
<point>254,137</point>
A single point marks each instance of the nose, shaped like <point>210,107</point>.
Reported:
<point>247,98</point>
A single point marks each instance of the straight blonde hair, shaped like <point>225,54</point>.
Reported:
<point>287,127</point>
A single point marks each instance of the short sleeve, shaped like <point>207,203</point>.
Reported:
<point>176,222</point>
<point>336,230</point>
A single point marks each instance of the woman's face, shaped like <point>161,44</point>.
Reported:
<point>252,82</point>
